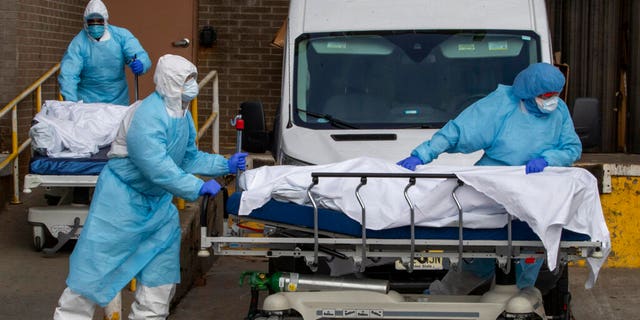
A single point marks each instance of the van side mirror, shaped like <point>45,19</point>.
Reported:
<point>255,137</point>
<point>586,120</point>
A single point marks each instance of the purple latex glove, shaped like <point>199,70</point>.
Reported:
<point>210,187</point>
<point>136,67</point>
<point>237,162</point>
<point>410,163</point>
<point>536,165</point>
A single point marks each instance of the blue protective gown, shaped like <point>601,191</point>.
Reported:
<point>93,71</point>
<point>511,130</point>
<point>133,228</point>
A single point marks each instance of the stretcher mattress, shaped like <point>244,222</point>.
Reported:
<point>338,222</point>
<point>69,166</point>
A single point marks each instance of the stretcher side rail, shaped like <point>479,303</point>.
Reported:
<point>315,176</point>
<point>373,248</point>
<point>32,181</point>
<point>344,248</point>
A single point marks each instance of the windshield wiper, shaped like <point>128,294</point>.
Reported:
<point>430,125</point>
<point>332,120</point>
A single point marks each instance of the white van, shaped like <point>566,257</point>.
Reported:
<point>377,78</point>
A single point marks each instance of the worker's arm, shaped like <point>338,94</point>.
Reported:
<point>70,69</point>
<point>131,48</point>
<point>569,147</point>
<point>147,145</point>
<point>198,162</point>
<point>474,129</point>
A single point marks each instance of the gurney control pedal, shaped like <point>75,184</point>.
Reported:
<point>63,238</point>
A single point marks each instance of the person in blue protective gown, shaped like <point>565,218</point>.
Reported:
<point>92,69</point>
<point>133,229</point>
<point>525,124</point>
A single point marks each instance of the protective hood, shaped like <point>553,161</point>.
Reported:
<point>96,7</point>
<point>170,76</point>
<point>535,80</point>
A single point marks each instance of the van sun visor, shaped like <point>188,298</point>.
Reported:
<point>372,45</point>
<point>474,46</point>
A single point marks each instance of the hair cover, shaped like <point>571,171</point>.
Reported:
<point>537,79</point>
<point>170,76</point>
<point>96,7</point>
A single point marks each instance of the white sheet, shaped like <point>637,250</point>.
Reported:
<point>75,129</point>
<point>549,201</point>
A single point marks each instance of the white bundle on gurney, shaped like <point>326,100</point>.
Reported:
<point>75,129</point>
<point>549,201</point>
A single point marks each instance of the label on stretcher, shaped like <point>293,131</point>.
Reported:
<point>426,263</point>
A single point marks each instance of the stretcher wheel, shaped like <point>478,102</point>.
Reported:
<point>39,237</point>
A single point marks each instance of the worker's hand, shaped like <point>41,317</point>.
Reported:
<point>536,165</point>
<point>210,187</point>
<point>410,163</point>
<point>136,67</point>
<point>237,162</point>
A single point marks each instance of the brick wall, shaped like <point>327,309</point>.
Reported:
<point>249,68</point>
<point>8,21</point>
<point>34,35</point>
<point>43,31</point>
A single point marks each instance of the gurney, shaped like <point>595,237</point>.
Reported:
<point>315,234</point>
<point>70,142</point>
<point>61,219</point>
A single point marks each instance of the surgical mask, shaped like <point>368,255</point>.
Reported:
<point>547,105</point>
<point>96,31</point>
<point>189,90</point>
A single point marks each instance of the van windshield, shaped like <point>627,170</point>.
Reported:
<point>403,79</point>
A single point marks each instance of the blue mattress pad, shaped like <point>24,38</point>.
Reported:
<point>69,166</point>
<point>338,222</point>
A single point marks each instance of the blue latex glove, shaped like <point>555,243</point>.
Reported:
<point>210,187</point>
<point>410,163</point>
<point>536,165</point>
<point>136,67</point>
<point>237,162</point>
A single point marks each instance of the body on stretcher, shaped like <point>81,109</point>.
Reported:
<point>315,234</point>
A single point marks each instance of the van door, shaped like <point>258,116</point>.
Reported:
<point>161,26</point>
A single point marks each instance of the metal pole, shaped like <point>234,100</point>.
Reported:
<point>136,82</point>
<point>14,148</point>
<point>238,122</point>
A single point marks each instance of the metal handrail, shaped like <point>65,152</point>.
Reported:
<point>212,120</point>
<point>13,107</point>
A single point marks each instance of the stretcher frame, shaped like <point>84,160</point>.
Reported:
<point>63,222</point>
<point>32,181</point>
<point>409,251</point>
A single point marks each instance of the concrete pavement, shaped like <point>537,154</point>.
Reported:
<point>30,284</point>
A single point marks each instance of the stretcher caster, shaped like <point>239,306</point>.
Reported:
<point>39,237</point>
